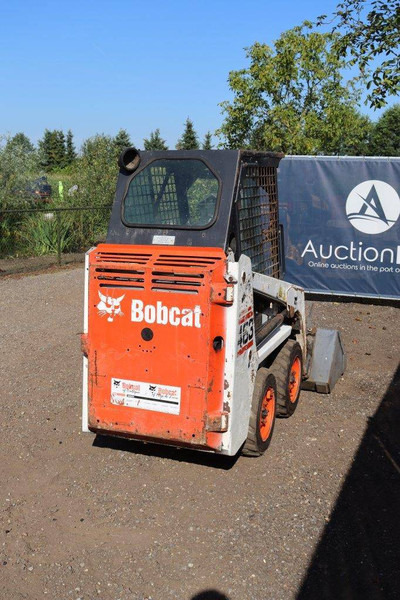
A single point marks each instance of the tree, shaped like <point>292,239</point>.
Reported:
<point>385,138</point>
<point>155,141</point>
<point>293,98</point>
<point>18,167</point>
<point>20,143</point>
<point>360,128</point>
<point>370,34</point>
<point>207,143</point>
<point>60,149</point>
<point>96,171</point>
<point>52,147</point>
<point>45,145</point>
<point>121,141</point>
<point>70,154</point>
<point>189,139</point>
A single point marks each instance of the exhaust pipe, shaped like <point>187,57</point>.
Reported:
<point>129,159</point>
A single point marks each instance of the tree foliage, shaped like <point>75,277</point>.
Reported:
<point>96,171</point>
<point>20,143</point>
<point>53,151</point>
<point>370,34</point>
<point>207,143</point>
<point>293,98</point>
<point>385,138</point>
<point>70,152</point>
<point>189,139</point>
<point>18,166</point>
<point>155,141</point>
<point>122,140</point>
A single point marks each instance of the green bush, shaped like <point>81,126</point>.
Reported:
<point>42,233</point>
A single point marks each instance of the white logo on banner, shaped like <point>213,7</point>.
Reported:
<point>373,206</point>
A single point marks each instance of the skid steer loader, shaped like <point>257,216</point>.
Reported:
<point>191,337</point>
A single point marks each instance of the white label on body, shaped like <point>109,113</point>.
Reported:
<point>164,240</point>
<point>148,396</point>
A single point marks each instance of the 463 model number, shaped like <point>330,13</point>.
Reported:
<point>246,331</point>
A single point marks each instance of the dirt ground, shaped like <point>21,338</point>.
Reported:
<point>85,517</point>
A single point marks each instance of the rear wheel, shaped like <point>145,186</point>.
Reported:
<point>288,368</point>
<point>262,416</point>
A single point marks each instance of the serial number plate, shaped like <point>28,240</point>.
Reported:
<point>164,240</point>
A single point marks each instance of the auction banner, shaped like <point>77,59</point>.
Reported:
<point>341,219</point>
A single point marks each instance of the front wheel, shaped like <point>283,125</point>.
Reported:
<point>262,416</point>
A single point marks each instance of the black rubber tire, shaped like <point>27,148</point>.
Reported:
<point>254,445</point>
<point>281,368</point>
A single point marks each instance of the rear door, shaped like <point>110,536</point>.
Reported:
<point>155,369</point>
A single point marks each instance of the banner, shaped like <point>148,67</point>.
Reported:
<point>341,219</point>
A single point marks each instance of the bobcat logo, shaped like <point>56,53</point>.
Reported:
<point>110,306</point>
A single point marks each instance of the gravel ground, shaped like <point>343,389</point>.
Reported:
<point>10,266</point>
<point>89,518</point>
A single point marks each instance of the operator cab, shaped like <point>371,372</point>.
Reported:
<point>215,198</point>
<point>212,198</point>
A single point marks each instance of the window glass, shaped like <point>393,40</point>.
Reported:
<point>177,193</point>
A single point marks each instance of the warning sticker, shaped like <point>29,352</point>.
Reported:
<point>149,396</point>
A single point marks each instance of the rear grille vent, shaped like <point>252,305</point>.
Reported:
<point>185,261</point>
<point>185,283</point>
<point>178,273</point>
<point>120,278</point>
<point>122,257</point>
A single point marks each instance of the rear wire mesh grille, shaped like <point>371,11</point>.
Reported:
<point>155,198</point>
<point>258,218</point>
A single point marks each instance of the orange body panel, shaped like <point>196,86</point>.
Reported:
<point>153,315</point>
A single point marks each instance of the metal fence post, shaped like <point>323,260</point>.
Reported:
<point>58,216</point>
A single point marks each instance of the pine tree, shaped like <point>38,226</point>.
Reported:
<point>189,139</point>
<point>60,155</point>
<point>52,150</point>
<point>45,150</point>
<point>70,152</point>
<point>155,141</point>
<point>121,141</point>
<point>207,144</point>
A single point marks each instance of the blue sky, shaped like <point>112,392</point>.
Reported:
<point>96,67</point>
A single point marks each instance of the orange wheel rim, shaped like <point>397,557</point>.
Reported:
<point>267,414</point>
<point>294,379</point>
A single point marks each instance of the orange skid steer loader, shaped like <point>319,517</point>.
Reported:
<point>191,337</point>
